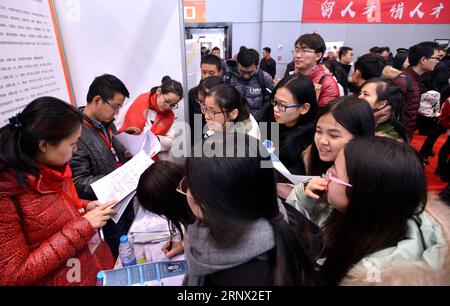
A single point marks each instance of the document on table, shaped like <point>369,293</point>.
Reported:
<point>120,183</point>
<point>146,142</point>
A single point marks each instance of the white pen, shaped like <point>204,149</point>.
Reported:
<point>102,237</point>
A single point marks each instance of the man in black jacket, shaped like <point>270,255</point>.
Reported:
<point>99,153</point>
<point>343,67</point>
<point>268,64</point>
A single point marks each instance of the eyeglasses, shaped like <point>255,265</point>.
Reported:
<point>209,112</point>
<point>115,107</point>
<point>302,51</point>
<point>435,58</point>
<point>183,187</point>
<point>331,177</point>
<point>281,106</point>
<point>249,73</point>
<point>200,102</point>
<point>171,105</point>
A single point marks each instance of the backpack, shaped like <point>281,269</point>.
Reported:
<point>430,104</point>
<point>318,86</point>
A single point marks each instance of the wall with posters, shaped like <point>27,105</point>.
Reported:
<point>31,64</point>
<point>138,43</point>
<point>277,24</point>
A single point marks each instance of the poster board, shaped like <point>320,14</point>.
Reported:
<point>32,62</point>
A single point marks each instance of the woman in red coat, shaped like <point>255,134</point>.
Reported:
<point>44,238</point>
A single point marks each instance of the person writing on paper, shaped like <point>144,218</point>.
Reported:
<point>99,152</point>
<point>226,110</point>
<point>43,233</point>
<point>158,198</point>
<point>153,111</point>
<point>380,227</point>
<point>295,108</point>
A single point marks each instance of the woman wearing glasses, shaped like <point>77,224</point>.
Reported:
<point>227,111</point>
<point>295,108</point>
<point>376,227</point>
<point>153,111</point>
<point>242,236</point>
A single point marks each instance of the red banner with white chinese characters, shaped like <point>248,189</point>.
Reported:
<point>376,11</point>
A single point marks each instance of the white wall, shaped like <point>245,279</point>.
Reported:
<point>139,43</point>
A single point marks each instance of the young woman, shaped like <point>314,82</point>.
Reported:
<point>240,237</point>
<point>337,123</point>
<point>386,100</point>
<point>42,232</point>
<point>295,108</point>
<point>158,197</point>
<point>376,229</point>
<point>153,111</point>
<point>227,111</point>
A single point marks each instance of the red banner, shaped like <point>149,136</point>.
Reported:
<point>376,11</point>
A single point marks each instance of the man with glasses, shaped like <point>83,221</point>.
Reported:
<point>309,51</point>
<point>253,83</point>
<point>99,153</point>
<point>422,58</point>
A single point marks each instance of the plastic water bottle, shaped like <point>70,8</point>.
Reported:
<point>126,252</point>
<point>100,278</point>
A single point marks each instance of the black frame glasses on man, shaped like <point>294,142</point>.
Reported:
<point>116,107</point>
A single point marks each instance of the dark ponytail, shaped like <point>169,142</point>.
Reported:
<point>169,86</point>
<point>45,118</point>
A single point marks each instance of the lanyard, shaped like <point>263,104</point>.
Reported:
<point>107,141</point>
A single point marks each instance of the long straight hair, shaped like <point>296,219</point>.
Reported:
<point>232,192</point>
<point>46,118</point>
<point>355,115</point>
<point>389,188</point>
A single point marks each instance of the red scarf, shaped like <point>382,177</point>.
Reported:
<point>58,180</point>
<point>137,115</point>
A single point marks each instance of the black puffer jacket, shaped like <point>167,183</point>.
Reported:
<point>93,159</point>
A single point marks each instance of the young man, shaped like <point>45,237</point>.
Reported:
<point>253,83</point>
<point>344,66</point>
<point>99,153</point>
<point>268,64</point>
<point>210,65</point>
<point>422,58</point>
<point>367,67</point>
<point>309,50</point>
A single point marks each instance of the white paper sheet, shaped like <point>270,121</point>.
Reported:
<point>121,206</point>
<point>124,180</point>
<point>147,142</point>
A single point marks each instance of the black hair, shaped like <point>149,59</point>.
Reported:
<point>387,91</point>
<point>400,59</point>
<point>355,115</point>
<point>330,66</point>
<point>106,86</point>
<point>169,86</point>
<point>343,51</point>
<point>382,49</point>
<point>374,50</point>
<point>370,66</point>
<point>209,83</point>
<point>156,192</point>
<point>424,49</point>
<point>46,118</point>
<point>302,89</point>
<point>229,98</point>
<point>215,48</point>
<point>233,192</point>
<point>313,41</point>
<point>211,59</point>
<point>267,49</point>
<point>389,188</point>
<point>248,57</point>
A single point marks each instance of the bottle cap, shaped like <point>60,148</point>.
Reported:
<point>100,275</point>
<point>123,239</point>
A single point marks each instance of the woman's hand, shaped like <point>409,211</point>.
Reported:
<point>133,130</point>
<point>316,187</point>
<point>100,214</point>
<point>172,249</point>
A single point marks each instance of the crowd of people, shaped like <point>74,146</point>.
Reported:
<point>363,216</point>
